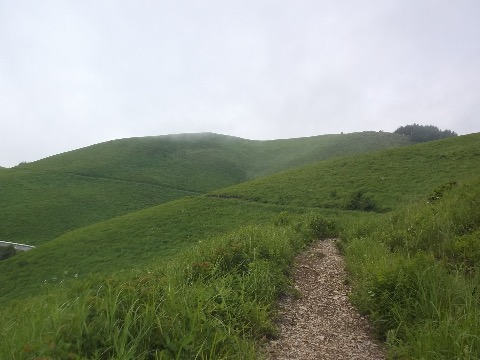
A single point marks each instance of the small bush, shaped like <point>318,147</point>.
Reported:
<point>465,250</point>
<point>317,227</point>
<point>360,201</point>
<point>438,193</point>
<point>282,219</point>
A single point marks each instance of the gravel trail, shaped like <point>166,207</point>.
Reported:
<point>322,323</point>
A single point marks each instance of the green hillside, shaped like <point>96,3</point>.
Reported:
<point>330,185</point>
<point>42,200</point>
<point>41,205</point>
<point>202,162</point>
<point>408,219</point>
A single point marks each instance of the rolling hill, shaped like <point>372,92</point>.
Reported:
<point>47,198</point>
<point>385,178</point>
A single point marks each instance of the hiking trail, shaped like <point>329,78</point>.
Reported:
<point>321,323</point>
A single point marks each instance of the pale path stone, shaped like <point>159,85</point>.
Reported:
<point>322,323</point>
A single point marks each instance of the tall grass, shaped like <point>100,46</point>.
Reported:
<point>416,273</point>
<point>214,301</point>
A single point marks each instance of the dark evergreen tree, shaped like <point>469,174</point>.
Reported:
<point>423,133</point>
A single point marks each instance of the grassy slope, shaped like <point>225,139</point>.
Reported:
<point>141,236</point>
<point>202,162</point>
<point>47,198</point>
<point>132,240</point>
<point>416,273</point>
<point>389,177</point>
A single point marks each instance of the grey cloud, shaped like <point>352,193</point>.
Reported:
<point>79,72</point>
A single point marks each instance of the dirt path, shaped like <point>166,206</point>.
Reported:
<point>321,324</point>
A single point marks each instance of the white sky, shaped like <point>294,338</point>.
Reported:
<point>78,72</point>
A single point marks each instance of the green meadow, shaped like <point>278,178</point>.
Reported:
<point>178,247</point>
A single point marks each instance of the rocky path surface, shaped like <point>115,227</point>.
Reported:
<point>322,323</point>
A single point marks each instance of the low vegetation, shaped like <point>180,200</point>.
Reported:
<point>377,181</point>
<point>133,240</point>
<point>7,252</point>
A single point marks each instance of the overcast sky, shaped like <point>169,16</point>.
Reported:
<point>78,72</point>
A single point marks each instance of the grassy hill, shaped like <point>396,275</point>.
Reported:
<point>385,179</point>
<point>202,162</point>
<point>40,205</point>
<point>47,198</point>
<point>409,222</point>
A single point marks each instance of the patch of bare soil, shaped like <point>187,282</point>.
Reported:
<point>321,323</point>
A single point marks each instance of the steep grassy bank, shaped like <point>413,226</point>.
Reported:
<point>416,272</point>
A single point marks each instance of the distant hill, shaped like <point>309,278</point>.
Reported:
<point>49,197</point>
<point>202,162</point>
